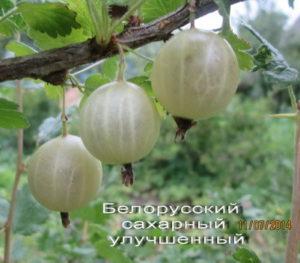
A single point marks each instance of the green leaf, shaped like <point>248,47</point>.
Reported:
<point>53,92</point>
<point>54,19</point>
<point>92,214</point>
<point>7,28</point>
<point>98,232</point>
<point>110,67</point>
<point>145,83</point>
<point>113,254</point>
<point>244,255</point>
<point>83,100</point>
<point>10,118</point>
<point>12,23</point>
<point>271,61</point>
<point>245,60</point>
<point>83,17</point>
<point>29,214</point>
<point>291,3</point>
<point>148,69</point>
<point>263,57</point>
<point>7,104</point>
<point>240,47</point>
<point>236,42</point>
<point>5,5</point>
<point>153,9</point>
<point>118,2</point>
<point>44,41</point>
<point>19,48</point>
<point>94,81</point>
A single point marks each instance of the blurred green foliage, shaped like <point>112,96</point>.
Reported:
<point>241,156</point>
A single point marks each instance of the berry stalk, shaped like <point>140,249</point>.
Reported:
<point>64,117</point>
<point>121,72</point>
<point>192,10</point>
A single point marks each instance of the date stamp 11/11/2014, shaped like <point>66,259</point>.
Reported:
<point>265,224</point>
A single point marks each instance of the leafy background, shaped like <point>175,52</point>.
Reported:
<point>241,155</point>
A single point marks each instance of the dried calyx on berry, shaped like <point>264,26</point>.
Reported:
<point>64,176</point>
<point>194,77</point>
<point>119,124</point>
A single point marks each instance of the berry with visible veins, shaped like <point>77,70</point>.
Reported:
<point>194,76</point>
<point>119,124</point>
<point>63,175</point>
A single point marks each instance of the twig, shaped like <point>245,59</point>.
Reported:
<point>19,171</point>
<point>53,65</point>
<point>192,12</point>
<point>284,116</point>
<point>293,235</point>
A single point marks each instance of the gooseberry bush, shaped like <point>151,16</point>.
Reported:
<point>81,45</point>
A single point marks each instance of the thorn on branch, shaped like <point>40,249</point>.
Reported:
<point>133,21</point>
<point>163,24</point>
<point>64,118</point>
<point>56,78</point>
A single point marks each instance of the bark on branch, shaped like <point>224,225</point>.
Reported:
<point>52,65</point>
